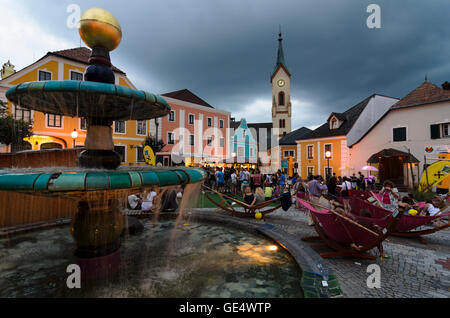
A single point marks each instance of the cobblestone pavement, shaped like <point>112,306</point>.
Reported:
<point>414,270</point>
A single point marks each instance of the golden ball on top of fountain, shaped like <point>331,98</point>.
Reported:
<point>99,28</point>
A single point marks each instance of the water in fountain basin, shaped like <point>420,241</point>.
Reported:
<point>205,261</point>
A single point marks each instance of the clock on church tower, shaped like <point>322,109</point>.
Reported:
<point>282,107</point>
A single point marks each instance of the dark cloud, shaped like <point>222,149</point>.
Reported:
<point>224,51</point>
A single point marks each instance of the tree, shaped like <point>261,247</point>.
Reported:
<point>12,131</point>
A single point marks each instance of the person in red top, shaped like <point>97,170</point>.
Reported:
<point>256,179</point>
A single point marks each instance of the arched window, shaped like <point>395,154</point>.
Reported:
<point>281,99</point>
<point>282,123</point>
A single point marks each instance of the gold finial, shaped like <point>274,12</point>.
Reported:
<point>98,27</point>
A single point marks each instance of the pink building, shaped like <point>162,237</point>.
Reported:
<point>194,133</point>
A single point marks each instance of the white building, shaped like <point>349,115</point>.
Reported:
<point>397,143</point>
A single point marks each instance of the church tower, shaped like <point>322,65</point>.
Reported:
<point>281,93</point>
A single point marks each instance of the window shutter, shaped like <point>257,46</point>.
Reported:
<point>435,131</point>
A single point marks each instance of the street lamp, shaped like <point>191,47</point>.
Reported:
<point>328,156</point>
<point>74,136</point>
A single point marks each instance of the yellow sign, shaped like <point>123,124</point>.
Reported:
<point>149,156</point>
<point>436,174</point>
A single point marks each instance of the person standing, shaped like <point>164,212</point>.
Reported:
<point>331,185</point>
<point>220,177</point>
<point>256,179</point>
<point>346,187</point>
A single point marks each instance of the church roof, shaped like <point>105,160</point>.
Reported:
<point>187,96</point>
<point>281,61</point>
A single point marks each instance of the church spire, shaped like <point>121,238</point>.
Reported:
<point>280,57</point>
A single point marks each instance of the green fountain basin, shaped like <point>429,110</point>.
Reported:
<point>98,180</point>
<point>88,100</point>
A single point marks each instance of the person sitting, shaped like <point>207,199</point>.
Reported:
<point>260,196</point>
<point>147,203</point>
<point>249,198</point>
<point>134,202</point>
<point>390,196</point>
<point>429,209</point>
<point>169,201</point>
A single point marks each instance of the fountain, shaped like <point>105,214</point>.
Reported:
<point>98,184</point>
<point>98,187</point>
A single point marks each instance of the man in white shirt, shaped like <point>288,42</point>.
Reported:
<point>147,204</point>
<point>134,202</point>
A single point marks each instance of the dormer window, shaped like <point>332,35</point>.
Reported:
<point>334,123</point>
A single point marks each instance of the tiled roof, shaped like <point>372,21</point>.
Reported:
<point>290,139</point>
<point>187,96</point>
<point>79,54</point>
<point>426,93</point>
<point>349,118</point>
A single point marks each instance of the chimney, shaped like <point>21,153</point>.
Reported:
<point>7,70</point>
<point>446,86</point>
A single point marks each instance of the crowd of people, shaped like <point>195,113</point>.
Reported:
<point>153,199</point>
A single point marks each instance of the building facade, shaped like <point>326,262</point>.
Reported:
<point>333,138</point>
<point>195,133</point>
<point>410,134</point>
<point>56,132</point>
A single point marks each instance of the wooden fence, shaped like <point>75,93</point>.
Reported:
<point>39,159</point>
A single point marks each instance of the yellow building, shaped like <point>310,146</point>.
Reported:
<point>331,139</point>
<point>56,132</point>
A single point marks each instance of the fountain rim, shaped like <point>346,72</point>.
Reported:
<point>84,181</point>
<point>15,94</point>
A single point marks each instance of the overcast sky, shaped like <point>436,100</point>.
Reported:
<point>224,51</point>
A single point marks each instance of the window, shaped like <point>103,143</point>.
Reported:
<point>172,116</point>
<point>281,99</point>
<point>140,154</point>
<point>446,130</point>
<point>251,152</point>
<point>119,127</point>
<point>142,127</point>
<point>209,141</point>
<point>310,152</point>
<point>221,124</point>
<point>170,138</point>
<point>54,121</point>
<point>209,122</point>
<point>328,171</point>
<point>22,114</point>
<point>399,134</point>
<point>334,123</point>
<point>310,171</point>
<point>191,119</point>
<point>76,76</point>
<point>222,142</point>
<point>289,153</point>
<point>191,140</point>
<point>243,134</point>
<point>45,76</point>
<point>328,147</point>
<point>121,151</point>
<point>282,123</point>
<point>83,124</point>
<point>241,152</point>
